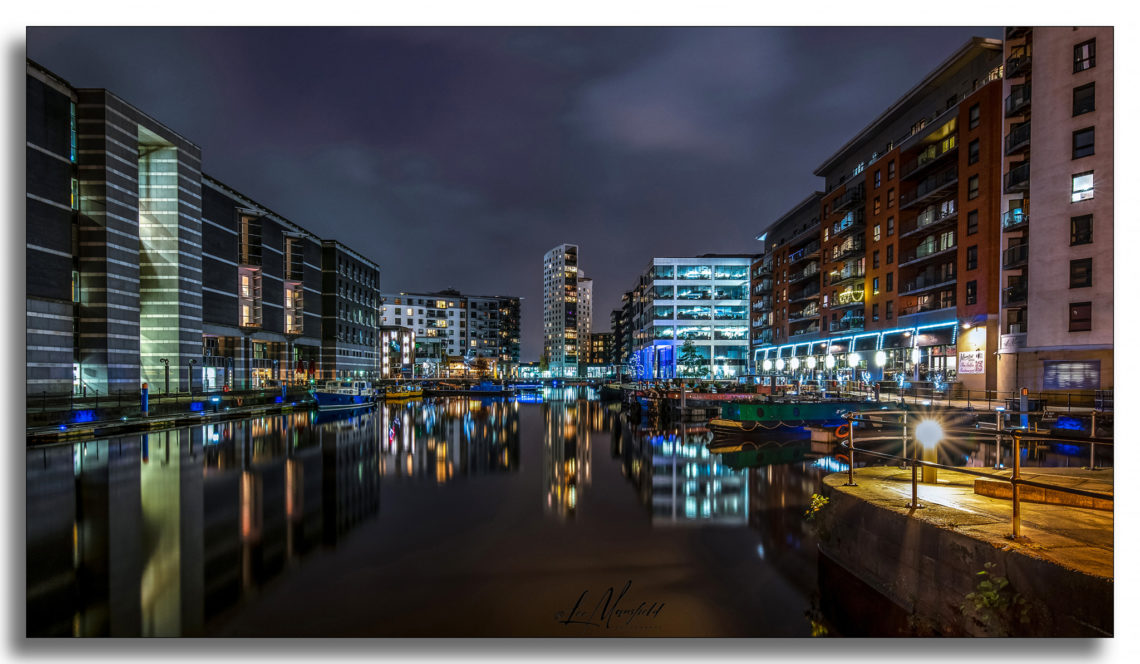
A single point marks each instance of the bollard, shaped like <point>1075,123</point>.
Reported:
<point>1015,481</point>
<point>914,504</point>
<point>904,441</point>
<point>997,437</point>
<point>850,451</point>
<point>144,399</point>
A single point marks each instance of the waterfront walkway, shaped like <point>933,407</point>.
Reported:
<point>1076,538</point>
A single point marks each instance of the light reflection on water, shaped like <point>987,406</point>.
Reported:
<point>177,532</point>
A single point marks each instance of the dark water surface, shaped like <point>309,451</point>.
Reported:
<point>447,517</point>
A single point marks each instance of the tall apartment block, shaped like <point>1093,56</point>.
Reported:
<point>261,294</point>
<point>350,313</point>
<point>703,300</point>
<point>585,308</point>
<point>114,242</point>
<point>560,309</point>
<point>1057,214</point>
<point>905,282</point>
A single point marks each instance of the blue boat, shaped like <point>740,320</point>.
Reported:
<point>338,394</point>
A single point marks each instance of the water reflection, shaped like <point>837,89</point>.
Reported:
<point>566,452</point>
<point>157,534</point>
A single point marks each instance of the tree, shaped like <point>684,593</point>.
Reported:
<point>543,363</point>
<point>481,366</point>
<point>690,361</point>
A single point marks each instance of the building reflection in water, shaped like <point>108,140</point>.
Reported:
<point>677,478</point>
<point>156,534</point>
<point>566,449</point>
<point>447,438</point>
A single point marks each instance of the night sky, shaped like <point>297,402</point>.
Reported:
<point>458,156</point>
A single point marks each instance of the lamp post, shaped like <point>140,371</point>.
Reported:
<point>166,374</point>
<point>929,433</point>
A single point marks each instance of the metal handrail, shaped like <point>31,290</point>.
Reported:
<point>1015,479</point>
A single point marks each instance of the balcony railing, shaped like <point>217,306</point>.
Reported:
<point>1016,32</point>
<point>1014,219</point>
<point>855,249</point>
<point>762,304</point>
<point>805,294</point>
<point>1018,100</point>
<point>928,281</point>
<point>839,276</point>
<point>929,217</point>
<point>810,329</point>
<point>804,252</point>
<point>1018,62</point>
<point>852,323</point>
<point>1015,296</point>
<point>1017,139</point>
<point>928,187</point>
<point>804,314</point>
<point>932,305</point>
<point>1017,179</point>
<point>763,286</point>
<point>927,157</point>
<point>764,270</point>
<point>925,251</point>
<point>849,198</point>
<point>1014,257</point>
<point>809,271</point>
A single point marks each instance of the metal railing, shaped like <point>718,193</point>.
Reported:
<point>1000,435</point>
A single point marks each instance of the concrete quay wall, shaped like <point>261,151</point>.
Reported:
<point>926,568</point>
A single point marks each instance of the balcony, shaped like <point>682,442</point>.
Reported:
<point>1015,297</point>
<point>925,307</point>
<point>1018,100</point>
<point>930,187</point>
<point>1015,257</point>
<point>857,248</point>
<point>925,252</point>
<point>763,304</point>
<point>930,217</point>
<point>848,323</point>
<point>930,156</point>
<point>848,199</point>
<point>1018,63</point>
<point>805,314</point>
<point>1018,139</point>
<point>928,281</point>
<point>763,286</point>
<point>1016,32</point>
<point>763,270</point>
<point>1017,179</point>
<point>805,294</point>
<point>806,252</point>
<point>851,222</point>
<point>840,276</point>
<point>1015,219</point>
<point>809,271</point>
<point>810,329</point>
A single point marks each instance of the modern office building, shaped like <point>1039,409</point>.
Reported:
<point>909,221</point>
<point>114,242</point>
<point>1057,215</point>
<point>702,300</point>
<point>451,327</point>
<point>261,294</point>
<point>560,310</point>
<point>351,313</point>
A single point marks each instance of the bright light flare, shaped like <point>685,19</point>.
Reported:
<point>928,432</point>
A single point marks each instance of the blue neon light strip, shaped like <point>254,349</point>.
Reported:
<point>915,331</point>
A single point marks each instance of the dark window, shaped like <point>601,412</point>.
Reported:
<point>878,178</point>
<point>875,259</point>
<point>972,258</point>
<point>890,226</point>
<point>891,169</point>
<point>1082,228</point>
<point>1080,273</point>
<point>975,151</point>
<point>890,198</point>
<point>875,311</point>
<point>1084,56</point>
<point>1084,99</point>
<point>1083,142</point>
<point>890,281</point>
<point>890,309</point>
<point>972,187</point>
<point>972,222</point>
<point>890,254</point>
<point>975,115</point>
<point>1080,316</point>
<point>971,292</point>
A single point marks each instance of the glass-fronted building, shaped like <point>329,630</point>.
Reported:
<point>692,318</point>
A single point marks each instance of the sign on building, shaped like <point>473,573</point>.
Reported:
<point>972,362</point>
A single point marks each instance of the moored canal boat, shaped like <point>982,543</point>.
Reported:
<point>338,394</point>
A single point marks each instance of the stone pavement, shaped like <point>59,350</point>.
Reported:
<point>1075,538</point>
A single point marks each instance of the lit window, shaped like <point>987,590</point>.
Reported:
<point>1084,56</point>
<point>876,233</point>
<point>74,194</point>
<point>1082,186</point>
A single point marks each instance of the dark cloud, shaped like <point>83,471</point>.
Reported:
<point>457,157</point>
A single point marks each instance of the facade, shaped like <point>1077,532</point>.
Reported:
<point>585,309</point>
<point>397,352</point>
<point>350,293</point>
<point>1057,210</point>
<point>702,300</point>
<point>261,294</point>
<point>114,243</point>
<point>560,310</point>
<point>451,327</point>
<point>597,355</point>
<point>907,271</point>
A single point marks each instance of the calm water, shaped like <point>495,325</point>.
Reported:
<point>448,517</point>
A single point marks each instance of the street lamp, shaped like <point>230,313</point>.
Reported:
<point>190,376</point>
<point>166,373</point>
<point>929,433</point>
